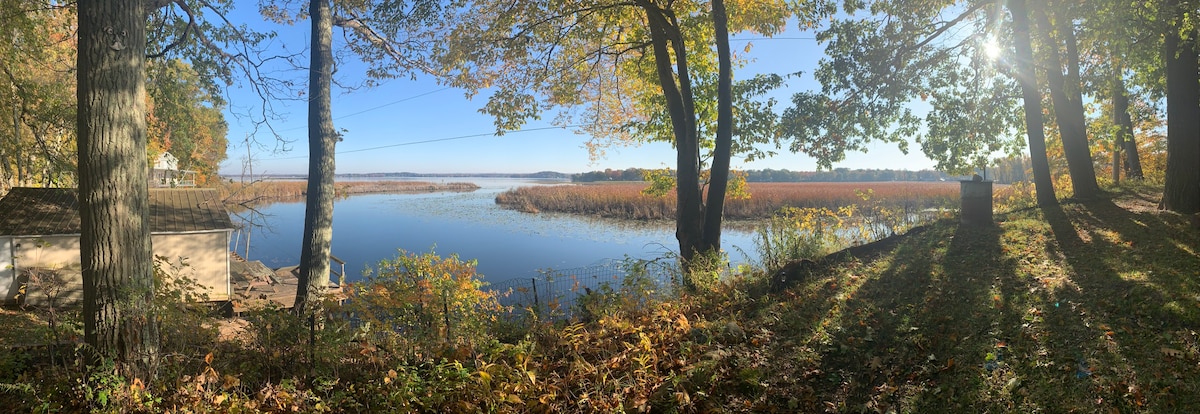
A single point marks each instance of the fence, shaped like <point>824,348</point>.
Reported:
<point>556,290</point>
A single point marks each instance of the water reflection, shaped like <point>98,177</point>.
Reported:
<point>508,244</point>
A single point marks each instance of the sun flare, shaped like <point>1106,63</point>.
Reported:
<point>991,49</point>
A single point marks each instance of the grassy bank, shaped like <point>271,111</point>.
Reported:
<point>1084,307</point>
<point>266,191</point>
<point>625,200</point>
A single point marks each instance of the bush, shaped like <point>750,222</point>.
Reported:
<point>423,304</point>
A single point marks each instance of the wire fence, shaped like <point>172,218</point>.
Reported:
<point>557,290</point>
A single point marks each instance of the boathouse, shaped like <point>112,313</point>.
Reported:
<point>39,242</point>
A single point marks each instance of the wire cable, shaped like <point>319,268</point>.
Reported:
<point>427,141</point>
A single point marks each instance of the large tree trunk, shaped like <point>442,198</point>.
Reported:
<point>1034,123</point>
<point>664,31</point>
<point>118,272</point>
<point>719,175</point>
<point>1182,191</point>
<point>1068,106</point>
<point>318,212</point>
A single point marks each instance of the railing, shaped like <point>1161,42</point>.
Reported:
<point>339,271</point>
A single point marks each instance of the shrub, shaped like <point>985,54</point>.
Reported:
<point>799,233</point>
<point>423,304</point>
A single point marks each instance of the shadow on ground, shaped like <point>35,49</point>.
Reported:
<point>1078,308</point>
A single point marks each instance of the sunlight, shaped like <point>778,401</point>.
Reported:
<point>991,48</point>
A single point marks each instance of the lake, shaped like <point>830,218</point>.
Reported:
<point>508,244</point>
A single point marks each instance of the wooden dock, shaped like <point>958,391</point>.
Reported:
<point>255,285</point>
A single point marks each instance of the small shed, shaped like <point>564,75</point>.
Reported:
<point>39,242</point>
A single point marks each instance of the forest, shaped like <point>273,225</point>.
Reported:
<point>1080,297</point>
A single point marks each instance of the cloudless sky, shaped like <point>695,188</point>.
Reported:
<point>419,126</point>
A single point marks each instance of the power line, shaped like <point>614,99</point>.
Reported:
<point>392,103</point>
<point>747,39</point>
<point>376,107</point>
<point>486,134</point>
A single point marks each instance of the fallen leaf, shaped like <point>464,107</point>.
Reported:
<point>1171,352</point>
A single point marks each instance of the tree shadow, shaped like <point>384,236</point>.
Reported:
<point>1078,308</point>
<point>930,314</point>
<point>1129,308</point>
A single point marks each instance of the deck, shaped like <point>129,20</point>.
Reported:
<point>255,285</point>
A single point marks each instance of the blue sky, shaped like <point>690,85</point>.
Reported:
<point>419,126</point>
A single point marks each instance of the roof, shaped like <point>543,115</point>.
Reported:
<point>46,211</point>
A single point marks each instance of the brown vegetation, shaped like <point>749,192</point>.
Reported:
<point>625,200</point>
<point>283,190</point>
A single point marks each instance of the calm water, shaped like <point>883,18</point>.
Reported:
<point>507,244</point>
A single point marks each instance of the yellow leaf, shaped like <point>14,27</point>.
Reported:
<point>208,358</point>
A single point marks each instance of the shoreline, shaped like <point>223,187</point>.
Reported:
<point>279,190</point>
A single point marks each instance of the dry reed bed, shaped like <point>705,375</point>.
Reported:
<point>625,200</point>
<point>276,190</point>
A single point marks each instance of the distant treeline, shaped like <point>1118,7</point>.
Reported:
<point>1005,171</point>
<point>785,176</point>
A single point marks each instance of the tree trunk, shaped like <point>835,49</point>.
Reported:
<point>1126,144</point>
<point>1182,190</point>
<point>1068,106</point>
<point>719,175</point>
<point>1034,123</point>
<point>318,212</point>
<point>664,31</point>
<point>118,273</point>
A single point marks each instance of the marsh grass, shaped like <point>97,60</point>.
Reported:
<point>626,200</point>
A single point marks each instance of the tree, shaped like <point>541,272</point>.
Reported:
<point>1034,123</point>
<point>184,119</point>
<point>392,38</point>
<point>37,95</point>
<point>723,145</point>
<point>1182,190</point>
<point>111,125</point>
<point>884,67</point>
<point>625,72</point>
<point>118,274</point>
<point>1067,96</point>
<point>318,210</point>
<point>913,53</point>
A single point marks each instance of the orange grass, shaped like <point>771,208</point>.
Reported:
<point>625,200</point>
<point>275,190</point>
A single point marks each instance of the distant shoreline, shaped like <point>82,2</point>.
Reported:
<point>273,190</point>
<point>537,175</point>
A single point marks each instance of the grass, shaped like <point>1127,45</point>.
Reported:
<point>1085,307</point>
<point>626,201</point>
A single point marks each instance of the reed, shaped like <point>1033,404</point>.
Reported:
<point>265,191</point>
<point>625,200</point>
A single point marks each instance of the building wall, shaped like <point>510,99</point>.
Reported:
<point>200,256</point>
<point>48,266</point>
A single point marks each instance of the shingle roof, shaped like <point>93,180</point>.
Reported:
<point>47,211</point>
